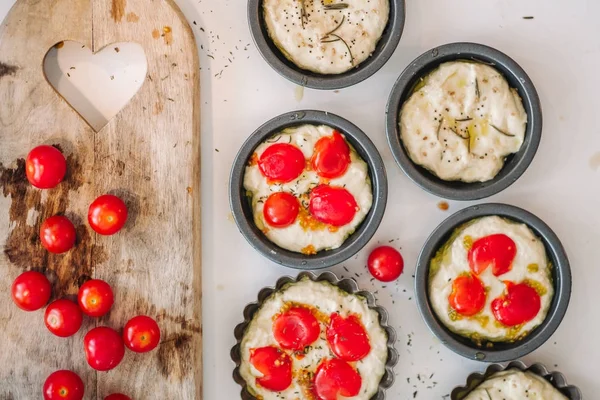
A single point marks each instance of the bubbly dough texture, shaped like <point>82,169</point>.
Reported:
<point>326,36</point>
<point>530,263</point>
<point>462,122</point>
<point>295,237</point>
<point>515,384</point>
<point>327,299</point>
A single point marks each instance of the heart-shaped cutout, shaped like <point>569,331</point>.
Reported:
<point>98,86</point>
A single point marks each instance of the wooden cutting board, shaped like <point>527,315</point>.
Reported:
<point>148,154</point>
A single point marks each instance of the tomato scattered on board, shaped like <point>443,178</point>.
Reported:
<point>63,318</point>
<point>348,338</point>
<point>332,205</point>
<point>468,295</point>
<point>58,234</point>
<point>107,214</point>
<point>281,162</point>
<point>296,328</point>
<point>331,157</point>
<point>141,334</point>
<point>519,305</point>
<point>31,291</point>
<point>104,348</point>
<point>45,167</point>
<point>497,251</point>
<point>275,365</point>
<point>117,396</point>
<point>95,297</point>
<point>385,263</point>
<point>281,209</point>
<point>63,385</point>
<point>335,378</point>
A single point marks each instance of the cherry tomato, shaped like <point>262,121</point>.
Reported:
<point>519,305</point>
<point>31,291</point>
<point>468,295</point>
<point>332,205</point>
<point>141,334</point>
<point>117,396</point>
<point>331,157</point>
<point>281,162</point>
<point>104,348</point>
<point>45,167</point>
<point>58,234</point>
<point>497,250</point>
<point>63,385</point>
<point>107,214</point>
<point>281,209</point>
<point>385,263</point>
<point>348,338</point>
<point>335,378</point>
<point>296,328</point>
<point>275,365</point>
<point>95,298</point>
<point>63,318</point>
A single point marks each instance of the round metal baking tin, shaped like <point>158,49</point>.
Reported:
<point>274,57</point>
<point>348,285</point>
<point>242,209</point>
<point>556,379</point>
<point>561,277</point>
<point>515,164</point>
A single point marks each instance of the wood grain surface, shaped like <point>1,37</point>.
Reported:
<point>148,154</point>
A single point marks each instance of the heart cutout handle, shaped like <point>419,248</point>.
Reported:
<point>96,85</point>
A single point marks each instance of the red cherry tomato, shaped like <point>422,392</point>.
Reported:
<point>31,291</point>
<point>331,157</point>
<point>281,162</point>
<point>45,167</point>
<point>63,318</point>
<point>497,250</point>
<point>332,205</point>
<point>107,214</point>
<point>141,334</point>
<point>63,385</point>
<point>385,263</point>
<point>468,295</point>
<point>348,337</point>
<point>95,297</point>
<point>519,305</point>
<point>104,348</point>
<point>275,365</point>
<point>117,396</point>
<point>296,328</point>
<point>335,378</point>
<point>58,234</point>
<point>281,209</point>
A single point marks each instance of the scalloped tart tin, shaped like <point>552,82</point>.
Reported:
<point>347,285</point>
<point>555,378</point>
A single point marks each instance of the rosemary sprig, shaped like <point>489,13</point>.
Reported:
<point>334,29</point>
<point>464,119</point>
<point>336,6</point>
<point>488,393</point>
<point>303,14</point>
<point>468,141</point>
<point>273,140</point>
<point>501,131</point>
<point>477,92</point>
<point>458,134</point>
<point>439,128</point>
<point>347,47</point>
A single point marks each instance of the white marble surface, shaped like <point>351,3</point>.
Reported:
<point>560,50</point>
